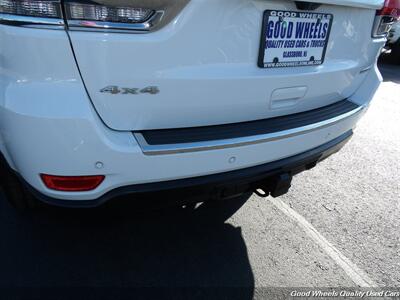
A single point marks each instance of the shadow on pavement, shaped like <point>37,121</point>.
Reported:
<point>121,246</point>
<point>389,69</point>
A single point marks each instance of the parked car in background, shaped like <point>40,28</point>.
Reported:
<point>393,42</point>
<point>216,97</point>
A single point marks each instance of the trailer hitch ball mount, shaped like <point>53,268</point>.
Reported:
<point>275,186</point>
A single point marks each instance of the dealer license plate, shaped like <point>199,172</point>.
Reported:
<point>293,39</point>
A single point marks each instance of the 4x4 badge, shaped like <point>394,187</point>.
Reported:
<point>115,90</point>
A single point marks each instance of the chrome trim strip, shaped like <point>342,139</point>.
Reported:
<point>238,142</point>
<point>87,25</point>
<point>366,69</point>
<point>31,22</point>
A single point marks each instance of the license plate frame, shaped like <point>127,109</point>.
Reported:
<point>314,38</point>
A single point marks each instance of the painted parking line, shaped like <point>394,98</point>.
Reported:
<point>357,275</point>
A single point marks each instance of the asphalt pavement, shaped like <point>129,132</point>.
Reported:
<point>337,227</point>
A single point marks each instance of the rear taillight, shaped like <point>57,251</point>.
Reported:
<point>91,16</point>
<point>391,8</point>
<point>90,12</point>
<point>72,183</point>
<point>31,13</point>
<point>385,18</point>
<point>48,9</point>
<point>104,15</point>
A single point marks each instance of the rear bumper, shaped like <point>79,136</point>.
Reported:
<point>222,185</point>
<point>68,142</point>
<point>49,125</point>
<point>69,151</point>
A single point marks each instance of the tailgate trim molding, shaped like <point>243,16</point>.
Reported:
<point>371,4</point>
<point>164,149</point>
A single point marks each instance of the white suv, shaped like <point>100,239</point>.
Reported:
<point>217,97</point>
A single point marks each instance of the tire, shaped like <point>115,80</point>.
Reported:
<point>16,194</point>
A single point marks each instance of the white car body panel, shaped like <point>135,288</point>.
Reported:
<point>49,125</point>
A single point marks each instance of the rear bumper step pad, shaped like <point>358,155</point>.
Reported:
<point>169,141</point>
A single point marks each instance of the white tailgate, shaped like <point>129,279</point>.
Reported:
<point>204,64</point>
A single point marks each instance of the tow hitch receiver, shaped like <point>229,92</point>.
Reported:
<point>276,186</point>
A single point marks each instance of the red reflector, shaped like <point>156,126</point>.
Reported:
<point>391,8</point>
<point>72,183</point>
